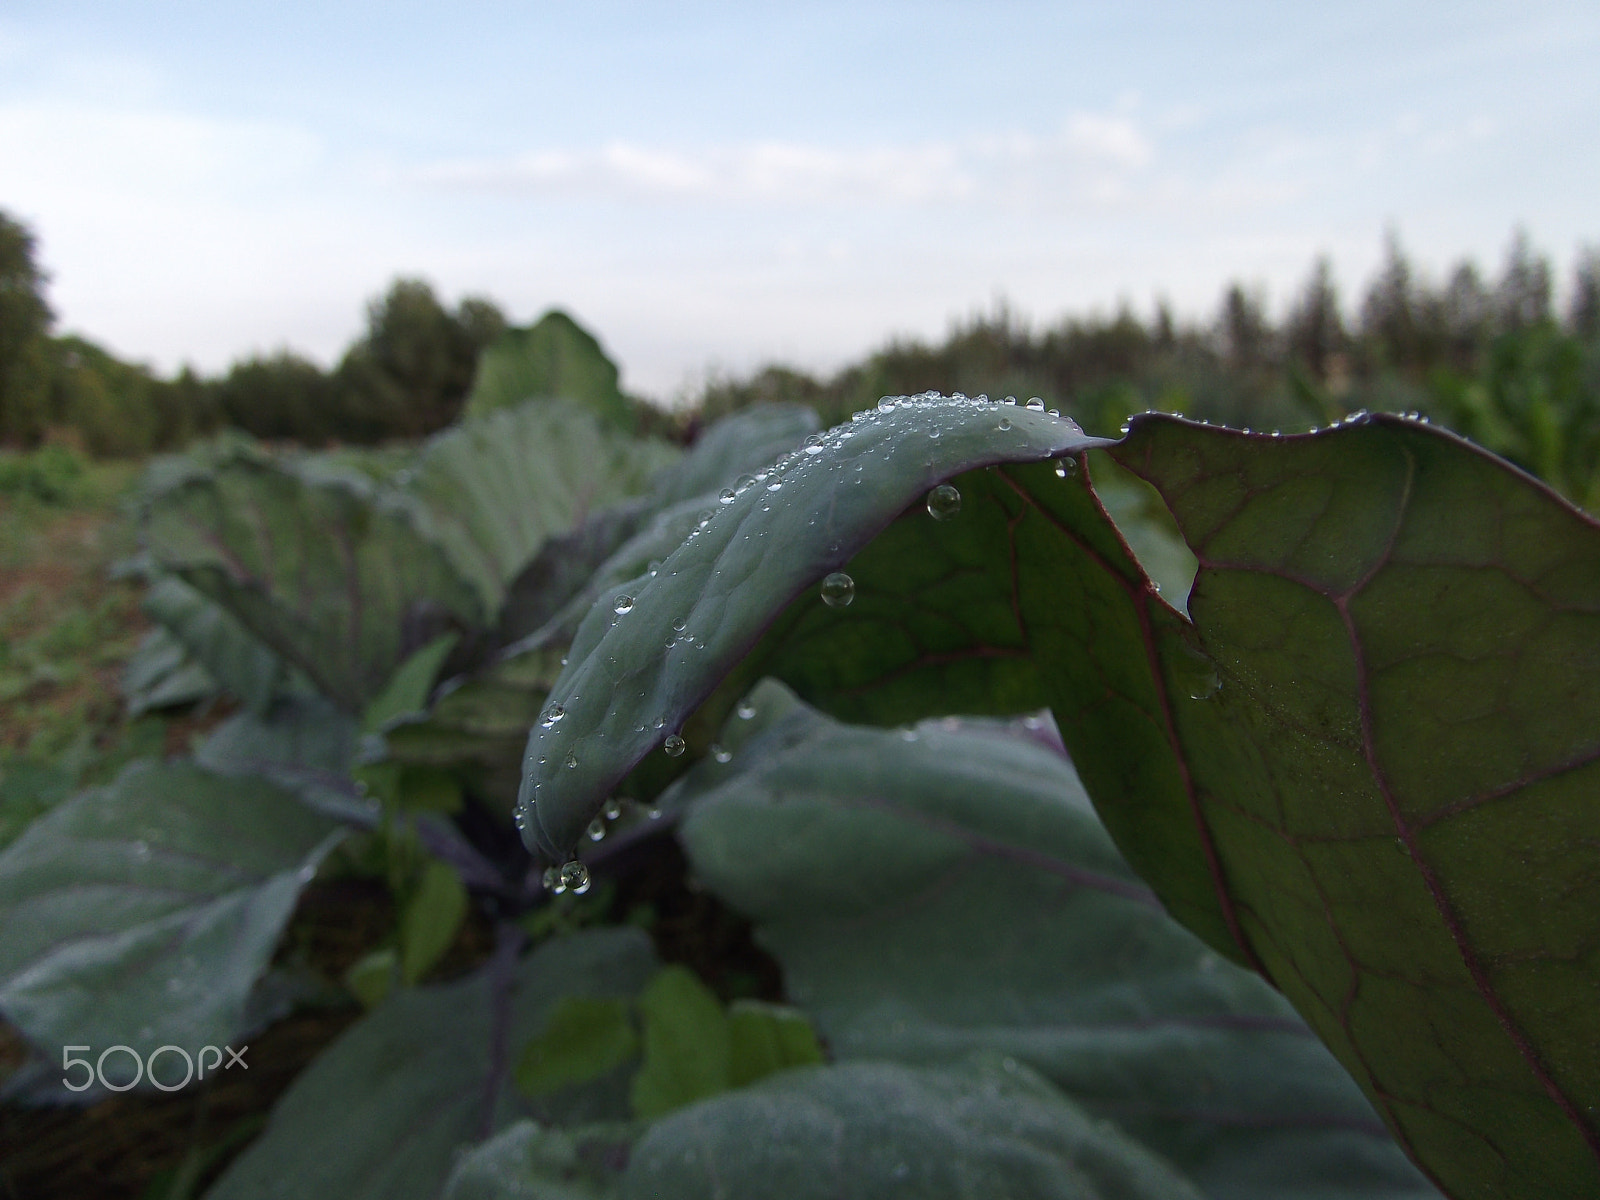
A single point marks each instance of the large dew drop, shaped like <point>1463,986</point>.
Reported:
<point>838,590</point>
<point>551,715</point>
<point>574,877</point>
<point>624,604</point>
<point>944,502</point>
<point>1066,468</point>
<point>674,745</point>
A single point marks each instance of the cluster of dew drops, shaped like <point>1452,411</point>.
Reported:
<point>838,589</point>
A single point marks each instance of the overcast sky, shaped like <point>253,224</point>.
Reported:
<point>709,186</point>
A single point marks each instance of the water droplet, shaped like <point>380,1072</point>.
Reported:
<point>520,818</point>
<point>1055,412</point>
<point>551,715</point>
<point>674,745</point>
<point>575,876</point>
<point>141,851</point>
<point>597,830</point>
<point>681,624</point>
<point>886,404</point>
<point>725,496</point>
<point>908,735</point>
<point>1036,404</point>
<point>613,810</point>
<point>813,444</point>
<point>838,590</point>
<point>654,814</point>
<point>552,880</point>
<point>774,485</point>
<point>1066,468</point>
<point>1009,400</point>
<point>944,502</point>
<point>624,604</point>
<point>655,565</point>
<point>746,710</point>
<point>572,761</point>
<point>743,483</point>
<point>1196,673</point>
<point>1005,423</point>
<point>721,753</point>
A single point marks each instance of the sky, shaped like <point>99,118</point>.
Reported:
<point>709,187</point>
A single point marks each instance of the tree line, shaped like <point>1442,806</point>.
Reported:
<point>1492,357</point>
<point>406,376</point>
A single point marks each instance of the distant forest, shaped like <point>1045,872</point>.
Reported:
<point>1487,355</point>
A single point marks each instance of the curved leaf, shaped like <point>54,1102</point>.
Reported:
<point>714,595</point>
<point>1386,687</point>
<point>142,913</point>
<point>381,1113</point>
<point>338,576</point>
<point>529,1161</point>
<point>947,889</point>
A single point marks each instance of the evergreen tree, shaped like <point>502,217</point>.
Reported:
<point>25,320</point>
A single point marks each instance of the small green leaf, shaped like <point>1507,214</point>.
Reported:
<point>767,1038</point>
<point>407,689</point>
<point>586,1037</point>
<point>687,1044</point>
<point>429,921</point>
<point>373,976</point>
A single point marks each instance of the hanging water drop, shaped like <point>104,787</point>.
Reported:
<point>597,830</point>
<point>552,880</point>
<point>624,604</point>
<point>838,590</point>
<point>674,745</point>
<point>1066,468</point>
<point>944,502</point>
<point>575,876</point>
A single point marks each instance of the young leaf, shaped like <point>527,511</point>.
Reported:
<point>430,918</point>
<point>687,1045</point>
<point>586,1037</point>
<point>408,688</point>
<point>767,1038</point>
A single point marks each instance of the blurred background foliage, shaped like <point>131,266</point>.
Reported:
<point>1492,356</point>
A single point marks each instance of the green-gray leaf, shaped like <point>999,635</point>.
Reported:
<point>868,1130</point>
<point>531,1162</point>
<point>143,912</point>
<point>215,639</point>
<point>499,487</point>
<point>945,891</point>
<point>381,1114</point>
<point>553,357</point>
<point>339,577</point>
<point>711,599</point>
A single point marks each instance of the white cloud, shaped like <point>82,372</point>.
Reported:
<point>1090,147</point>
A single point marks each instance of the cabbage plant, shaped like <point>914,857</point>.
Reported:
<point>1199,813</point>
